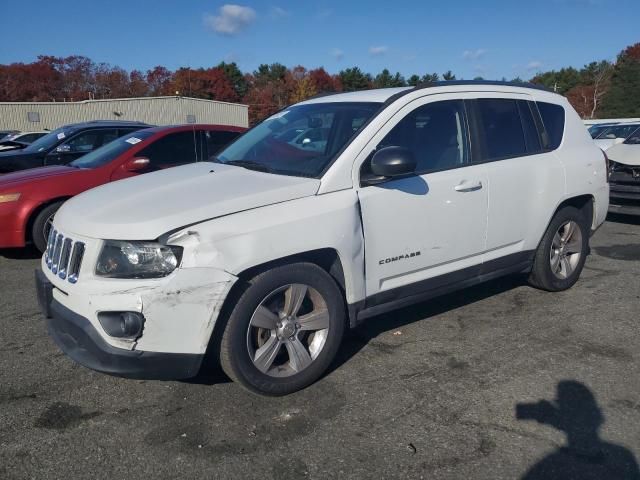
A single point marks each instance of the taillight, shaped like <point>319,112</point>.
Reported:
<point>606,164</point>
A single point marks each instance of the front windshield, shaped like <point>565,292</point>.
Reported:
<point>105,154</point>
<point>634,138</point>
<point>597,130</point>
<point>301,140</point>
<point>48,141</point>
<point>618,131</point>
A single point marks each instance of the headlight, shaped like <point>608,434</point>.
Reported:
<point>9,197</point>
<point>123,259</point>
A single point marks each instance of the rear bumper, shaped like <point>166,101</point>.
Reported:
<point>78,339</point>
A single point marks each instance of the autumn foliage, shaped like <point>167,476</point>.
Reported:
<point>596,89</point>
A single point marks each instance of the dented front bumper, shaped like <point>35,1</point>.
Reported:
<point>179,310</point>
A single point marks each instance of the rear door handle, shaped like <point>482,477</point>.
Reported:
<point>466,186</point>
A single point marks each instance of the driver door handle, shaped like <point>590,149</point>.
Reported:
<point>466,186</point>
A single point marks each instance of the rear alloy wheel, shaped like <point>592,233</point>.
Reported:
<point>566,250</point>
<point>562,251</point>
<point>285,329</point>
<point>42,225</point>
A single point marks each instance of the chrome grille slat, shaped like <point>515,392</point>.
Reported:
<point>50,245</point>
<point>64,258</point>
<point>47,252</point>
<point>57,250</point>
<point>75,262</point>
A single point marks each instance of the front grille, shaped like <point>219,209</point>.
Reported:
<point>625,174</point>
<point>63,256</point>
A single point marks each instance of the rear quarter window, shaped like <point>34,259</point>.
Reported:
<point>553,120</point>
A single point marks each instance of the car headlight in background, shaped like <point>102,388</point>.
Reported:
<point>9,197</point>
<point>129,259</point>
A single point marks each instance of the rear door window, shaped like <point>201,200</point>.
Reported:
<point>171,150</point>
<point>501,129</point>
<point>110,135</point>
<point>217,140</point>
<point>531,135</point>
<point>553,119</point>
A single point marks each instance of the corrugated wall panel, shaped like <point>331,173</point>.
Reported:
<point>153,110</point>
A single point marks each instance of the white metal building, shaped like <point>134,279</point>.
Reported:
<point>32,116</point>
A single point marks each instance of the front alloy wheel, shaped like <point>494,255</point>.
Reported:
<point>284,330</point>
<point>288,330</point>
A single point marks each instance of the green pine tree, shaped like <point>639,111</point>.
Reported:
<point>353,79</point>
<point>623,97</point>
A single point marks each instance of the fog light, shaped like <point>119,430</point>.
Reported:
<point>122,324</point>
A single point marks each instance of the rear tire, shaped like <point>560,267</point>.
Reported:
<point>284,331</point>
<point>42,225</point>
<point>562,252</point>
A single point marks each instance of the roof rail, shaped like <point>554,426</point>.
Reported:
<point>116,121</point>
<point>445,83</point>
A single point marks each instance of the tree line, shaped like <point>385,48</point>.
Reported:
<point>599,89</point>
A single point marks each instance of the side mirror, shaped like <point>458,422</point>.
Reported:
<point>136,164</point>
<point>618,141</point>
<point>393,162</point>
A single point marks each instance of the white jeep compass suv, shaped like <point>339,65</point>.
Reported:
<point>323,215</point>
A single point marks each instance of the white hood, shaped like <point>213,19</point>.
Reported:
<point>626,154</point>
<point>145,207</point>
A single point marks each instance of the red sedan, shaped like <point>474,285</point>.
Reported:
<point>30,198</point>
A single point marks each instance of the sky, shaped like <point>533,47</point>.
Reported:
<point>490,38</point>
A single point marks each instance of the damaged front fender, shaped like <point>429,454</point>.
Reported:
<point>180,311</point>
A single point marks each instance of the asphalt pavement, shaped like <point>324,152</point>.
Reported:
<point>447,389</point>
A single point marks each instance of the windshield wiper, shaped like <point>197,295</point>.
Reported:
<point>250,165</point>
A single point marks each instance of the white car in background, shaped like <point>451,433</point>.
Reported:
<point>20,140</point>
<point>615,134</point>
<point>624,176</point>
<point>597,129</point>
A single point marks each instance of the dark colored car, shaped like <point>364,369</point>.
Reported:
<point>18,141</point>
<point>66,144</point>
<point>29,199</point>
<point>5,133</point>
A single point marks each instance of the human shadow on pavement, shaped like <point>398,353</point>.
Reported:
<point>586,456</point>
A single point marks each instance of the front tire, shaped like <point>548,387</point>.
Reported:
<point>284,331</point>
<point>42,225</point>
<point>562,252</point>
